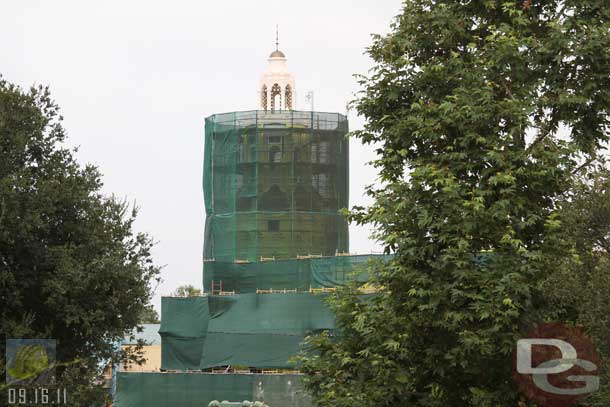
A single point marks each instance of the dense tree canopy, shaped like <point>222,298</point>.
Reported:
<point>71,266</point>
<point>579,289</point>
<point>483,112</point>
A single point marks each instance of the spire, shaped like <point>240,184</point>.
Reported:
<point>277,53</point>
<point>277,38</point>
<point>276,87</point>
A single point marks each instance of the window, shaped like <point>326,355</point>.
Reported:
<point>314,153</point>
<point>275,155</point>
<point>276,97</point>
<point>288,97</point>
<point>273,225</point>
<point>274,139</point>
<point>320,182</point>
<point>324,156</point>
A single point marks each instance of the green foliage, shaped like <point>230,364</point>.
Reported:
<point>578,289</point>
<point>481,113</point>
<point>150,316</point>
<point>71,267</point>
<point>186,291</point>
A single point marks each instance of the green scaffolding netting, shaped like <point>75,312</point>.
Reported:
<point>250,329</point>
<point>274,182</point>
<point>260,331</point>
<point>198,389</point>
<point>299,274</point>
<point>183,331</point>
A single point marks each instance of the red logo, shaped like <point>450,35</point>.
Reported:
<point>556,365</point>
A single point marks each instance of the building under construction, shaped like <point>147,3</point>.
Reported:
<point>274,181</point>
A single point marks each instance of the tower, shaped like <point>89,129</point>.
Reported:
<point>276,86</point>
<point>275,180</point>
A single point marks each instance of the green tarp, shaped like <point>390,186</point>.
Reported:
<point>254,330</point>
<point>198,389</point>
<point>249,329</point>
<point>262,330</point>
<point>299,274</point>
<point>183,331</point>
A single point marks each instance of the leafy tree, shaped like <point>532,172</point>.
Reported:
<point>482,111</point>
<point>579,288</point>
<point>186,291</point>
<point>71,266</point>
<point>150,316</point>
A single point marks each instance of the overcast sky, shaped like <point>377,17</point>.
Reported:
<point>135,80</point>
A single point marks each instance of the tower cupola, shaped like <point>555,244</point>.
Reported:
<point>276,86</point>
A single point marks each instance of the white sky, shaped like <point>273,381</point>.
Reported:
<point>135,80</point>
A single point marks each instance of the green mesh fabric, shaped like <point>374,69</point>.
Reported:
<point>199,389</point>
<point>261,331</point>
<point>299,274</point>
<point>183,330</point>
<point>273,184</point>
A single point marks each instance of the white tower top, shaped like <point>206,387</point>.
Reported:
<point>276,86</point>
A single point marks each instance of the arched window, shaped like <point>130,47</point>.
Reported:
<point>264,97</point>
<point>276,97</point>
<point>288,97</point>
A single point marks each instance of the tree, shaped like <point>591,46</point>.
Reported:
<point>71,266</point>
<point>150,316</point>
<point>579,288</point>
<point>482,111</point>
<point>186,291</point>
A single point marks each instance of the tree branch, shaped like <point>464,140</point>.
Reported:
<point>585,164</point>
<point>538,140</point>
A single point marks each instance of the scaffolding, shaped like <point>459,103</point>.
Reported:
<point>302,274</point>
<point>274,183</point>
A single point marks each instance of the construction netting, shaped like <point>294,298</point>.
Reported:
<point>274,183</point>
<point>294,274</point>
<point>261,331</point>
<point>183,330</point>
<point>199,389</point>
